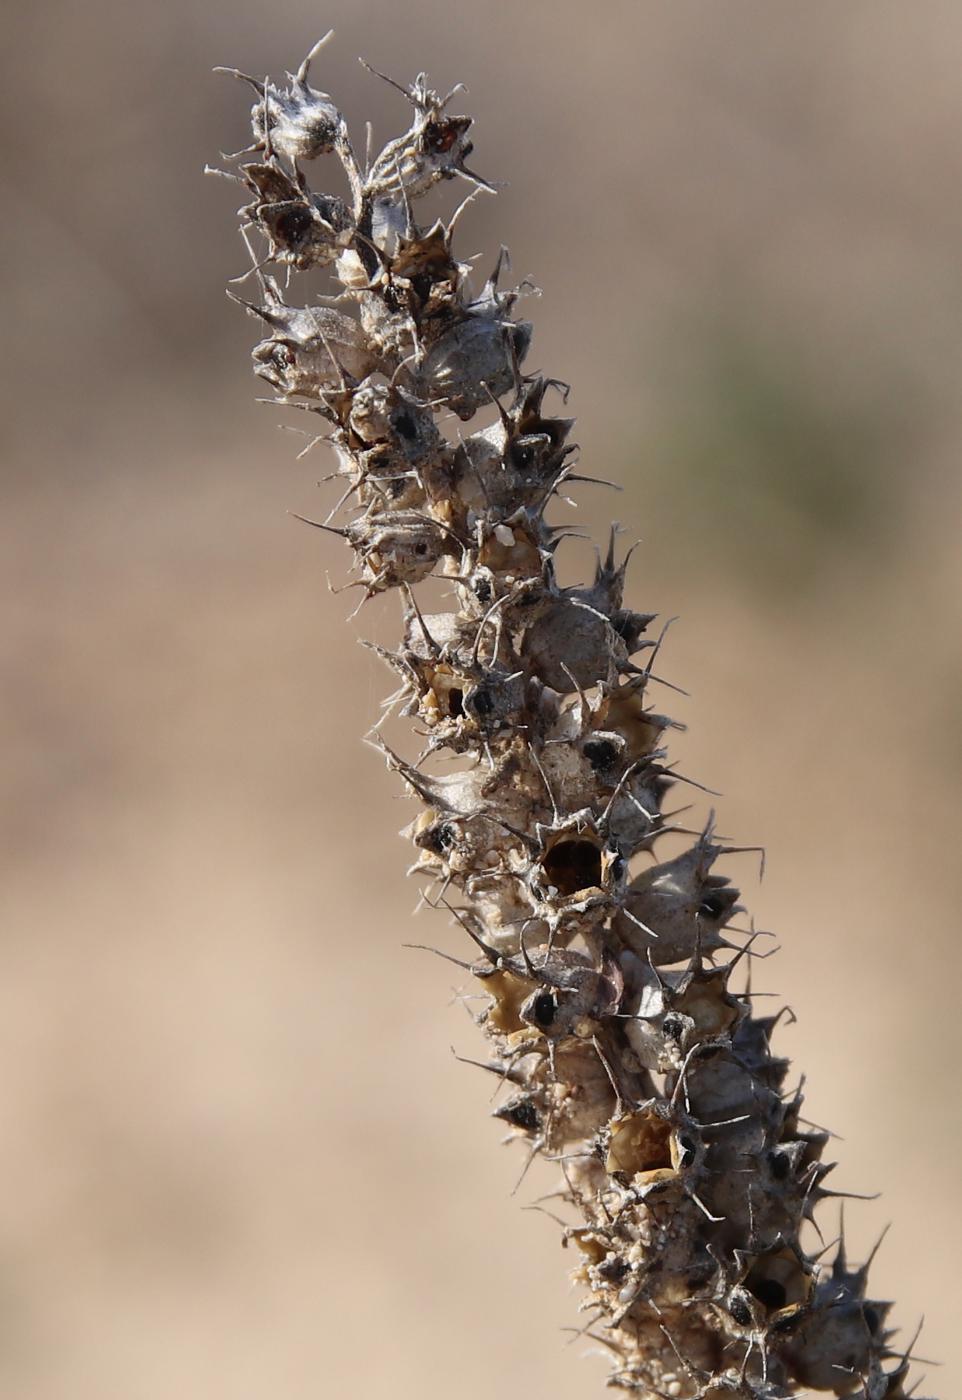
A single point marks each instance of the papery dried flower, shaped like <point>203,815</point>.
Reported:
<point>608,977</point>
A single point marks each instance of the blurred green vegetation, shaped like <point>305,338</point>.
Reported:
<point>784,467</point>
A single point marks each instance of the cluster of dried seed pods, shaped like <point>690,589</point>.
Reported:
<point>608,975</point>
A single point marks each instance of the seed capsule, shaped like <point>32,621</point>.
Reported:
<point>476,359</point>
<point>388,413</point>
<point>516,460</point>
<point>304,230</point>
<point>309,350</point>
<point>298,122</point>
<point>573,644</point>
<point>434,148</point>
<point>396,547</point>
<point>677,908</point>
<point>672,1012</point>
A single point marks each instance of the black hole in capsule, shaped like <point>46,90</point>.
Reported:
<point>524,455</point>
<point>391,299</point>
<point>623,623</point>
<point>422,284</point>
<point>740,1312</point>
<point>673,1027</point>
<point>455,702</point>
<point>293,225</point>
<point>421,548</point>
<point>612,1270</point>
<point>545,1008</point>
<point>780,1165</point>
<point>482,702</point>
<point>440,136</point>
<point>438,838</point>
<point>520,1114</point>
<point>687,1154</point>
<point>405,426</point>
<point>572,866</point>
<point>768,1291</point>
<point>714,904</point>
<point>600,753</point>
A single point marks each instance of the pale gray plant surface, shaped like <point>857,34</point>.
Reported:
<point>614,983</point>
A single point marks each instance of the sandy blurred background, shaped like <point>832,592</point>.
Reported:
<point>237,1157</point>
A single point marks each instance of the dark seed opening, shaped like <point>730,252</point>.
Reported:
<point>572,866</point>
<point>438,838</point>
<point>545,1009</point>
<point>524,455</point>
<point>624,624</point>
<point>780,1165</point>
<point>422,284</point>
<point>405,426</point>
<point>612,1270</point>
<point>482,590</point>
<point>768,1291</point>
<point>688,1152</point>
<point>740,1312</point>
<point>293,225</point>
<point>455,702</point>
<point>673,1027</point>
<point>440,136</point>
<point>481,702</point>
<point>520,1113</point>
<point>600,753</point>
<point>714,904</point>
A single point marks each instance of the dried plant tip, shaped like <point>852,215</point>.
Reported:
<point>604,975</point>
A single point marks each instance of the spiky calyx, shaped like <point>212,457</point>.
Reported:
<point>608,975</point>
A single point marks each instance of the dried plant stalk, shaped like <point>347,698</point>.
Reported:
<point>611,1015</point>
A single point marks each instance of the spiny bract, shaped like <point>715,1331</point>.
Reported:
<point>624,1051</point>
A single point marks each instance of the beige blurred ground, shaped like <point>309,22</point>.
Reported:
<point>238,1159</point>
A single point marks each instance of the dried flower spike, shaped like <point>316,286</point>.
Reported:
<point>608,973</point>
